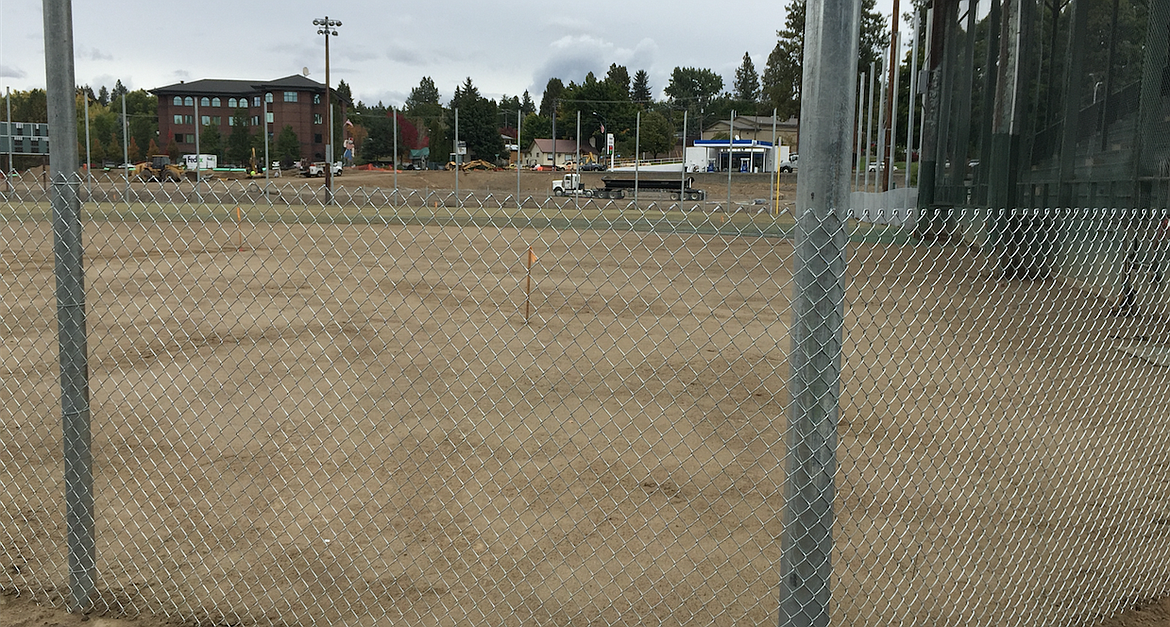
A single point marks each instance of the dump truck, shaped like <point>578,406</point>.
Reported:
<point>616,188</point>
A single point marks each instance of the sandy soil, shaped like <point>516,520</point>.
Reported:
<point>355,425</point>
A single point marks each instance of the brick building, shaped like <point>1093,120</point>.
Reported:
<point>294,100</point>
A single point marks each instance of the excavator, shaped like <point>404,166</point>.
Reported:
<point>159,168</point>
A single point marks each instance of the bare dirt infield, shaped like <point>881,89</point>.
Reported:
<point>353,424</point>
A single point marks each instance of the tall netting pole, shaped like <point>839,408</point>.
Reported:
<point>822,197</point>
<point>58,15</point>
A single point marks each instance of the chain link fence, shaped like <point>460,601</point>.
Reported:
<point>387,411</point>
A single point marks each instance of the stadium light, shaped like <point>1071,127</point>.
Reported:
<point>327,27</point>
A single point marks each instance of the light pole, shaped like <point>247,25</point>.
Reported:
<point>327,27</point>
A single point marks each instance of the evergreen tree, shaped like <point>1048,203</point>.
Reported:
<point>173,151</point>
<point>423,100</point>
<point>619,76</point>
<point>119,90</point>
<point>508,108</point>
<point>694,86</point>
<point>478,123</point>
<point>696,90</point>
<point>747,81</point>
<point>640,92</point>
<point>784,71</point>
<point>210,141</point>
<point>134,152</point>
<point>343,91</point>
<point>657,134</point>
<point>526,104</point>
<point>288,146</point>
<point>552,93</point>
<point>535,127</point>
<point>103,96</point>
<point>600,103</point>
<point>239,143</point>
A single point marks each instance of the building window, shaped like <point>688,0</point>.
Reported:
<point>188,101</point>
<point>178,101</point>
<point>178,138</point>
<point>268,97</point>
<point>317,138</point>
<point>317,118</point>
<point>232,103</point>
<point>190,138</point>
<point>178,118</point>
<point>255,120</point>
<point>205,102</point>
<point>316,98</point>
<point>205,120</point>
<point>255,101</point>
<point>215,102</point>
<point>269,117</point>
<point>290,96</point>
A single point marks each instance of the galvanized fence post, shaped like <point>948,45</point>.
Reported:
<point>66,202</point>
<point>822,197</point>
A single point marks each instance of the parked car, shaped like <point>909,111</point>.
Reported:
<point>592,167</point>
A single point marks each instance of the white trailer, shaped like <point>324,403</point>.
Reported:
<point>202,162</point>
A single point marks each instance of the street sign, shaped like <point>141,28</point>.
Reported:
<point>461,148</point>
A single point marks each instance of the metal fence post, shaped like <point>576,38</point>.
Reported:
<point>822,197</point>
<point>58,17</point>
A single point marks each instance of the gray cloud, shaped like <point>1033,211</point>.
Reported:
<point>94,54</point>
<point>8,71</point>
<point>405,55</point>
<point>571,57</point>
<point>386,97</point>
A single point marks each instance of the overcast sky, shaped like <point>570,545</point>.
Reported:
<point>385,48</point>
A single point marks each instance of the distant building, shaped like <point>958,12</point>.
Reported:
<point>293,101</point>
<point>755,127</point>
<point>540,152</point>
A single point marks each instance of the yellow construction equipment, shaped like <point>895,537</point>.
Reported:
<point>159,168</point>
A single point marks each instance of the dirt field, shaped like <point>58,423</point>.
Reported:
<point>354,424</point>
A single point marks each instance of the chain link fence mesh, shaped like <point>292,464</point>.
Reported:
<point>383,411</point>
